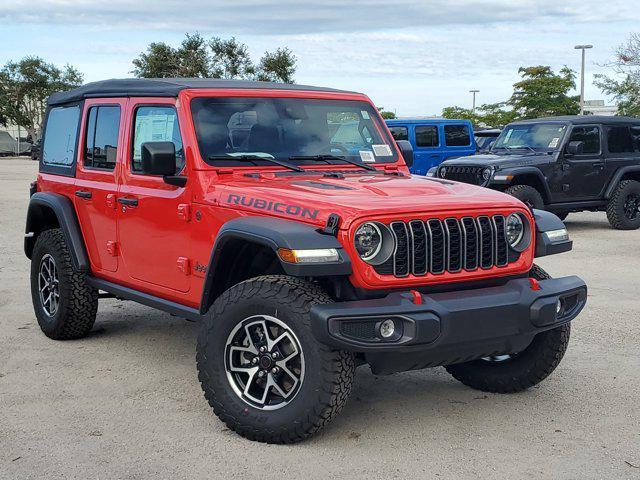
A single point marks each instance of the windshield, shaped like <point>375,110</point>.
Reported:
<point>531,136</point>
<point>287,129</point>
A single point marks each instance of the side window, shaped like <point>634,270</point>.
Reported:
<point>60,136</point>
<point>457,136</point>
<point>101,142</point>
<point>427,136</point>
<point>619,140</point>
<point>635,135</point>
<point>156,124</point>
<point>399,133</point>
<point>590,136</point>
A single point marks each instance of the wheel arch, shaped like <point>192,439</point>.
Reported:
<point>533,178</point>
<point>247,247</point>
<point>51,210</point>
<point>631,172</point>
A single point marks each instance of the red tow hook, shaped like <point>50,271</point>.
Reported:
<point>416,297</point>
<point>534,284</point>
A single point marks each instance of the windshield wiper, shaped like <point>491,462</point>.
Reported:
<point>326,158</point>
<point>521,146</point>
<point>254,158</point>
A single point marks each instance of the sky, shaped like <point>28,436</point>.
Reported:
<point>412,57</point>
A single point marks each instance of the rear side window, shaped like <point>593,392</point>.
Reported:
<point>427,136</point>
<point>457,136</point>
<point>101,142</point>
<point>619,140</point>
<point>60,136</point>
<point>399,133</point>
<point>635,135</point>
<point>156,124</point>
<point>590,136</point>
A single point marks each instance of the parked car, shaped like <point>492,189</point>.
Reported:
<point>300,260</point>
<point>563,164</point>
<point>486,138</point>
<point>9,146</point>
<point>434,140</point>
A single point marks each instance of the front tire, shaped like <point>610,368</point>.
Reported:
<point>261,369</point>
<point>623,210</point>
<point>64,304</point>
<point>517,372</point>
<point>527,195</point>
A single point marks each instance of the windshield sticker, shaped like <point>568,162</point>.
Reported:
<point>554,142</point>
<point>382,150</point>
<point>365,114</point>
<point>367,156</point>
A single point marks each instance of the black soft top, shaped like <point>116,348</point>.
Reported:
<point>166,87</point>
<point>584,119</point>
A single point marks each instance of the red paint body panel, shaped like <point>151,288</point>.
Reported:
<point>163,252</point>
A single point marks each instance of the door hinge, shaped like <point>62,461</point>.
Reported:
<point>112,248</point>
<point>184,265</point>
<point>184,212</point>
<point>111,200</point>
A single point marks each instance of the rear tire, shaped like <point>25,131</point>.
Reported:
<point>236,361</point>
<point>64,304</point>
<point>623,210</point>
<point>527,195</point>
<point>517,372</point>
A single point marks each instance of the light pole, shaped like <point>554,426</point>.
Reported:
<point>583,48</point>
<point>473,109</point>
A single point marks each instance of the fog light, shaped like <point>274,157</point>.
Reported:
<point>558,307</point>
<point>387,329</point>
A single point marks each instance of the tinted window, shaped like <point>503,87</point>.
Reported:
<point>457,136</point>
<point>101,141</point>
<point>619,140</point>
<point>635,134</point>
<point>156,124</point>
<point>60,136</point>
<point>427,136</point>
<point>590,136</point>
<point>399,133</point>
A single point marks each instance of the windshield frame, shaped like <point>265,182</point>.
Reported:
<point>496,149</point>
<point>187,96</point>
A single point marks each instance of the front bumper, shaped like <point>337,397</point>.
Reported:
<point>449,327</point>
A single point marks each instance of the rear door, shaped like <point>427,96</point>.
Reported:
<point>584,176</point>
<point>152,225</point>
<point>96,180</point>
<point>458,140</point>
<point>427,152</point>
<point>623,144</point>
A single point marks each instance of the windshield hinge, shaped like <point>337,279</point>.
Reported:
<point>392,170</point>
<point>332,225</point>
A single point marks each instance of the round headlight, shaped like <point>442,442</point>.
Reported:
<point>514,229</point>
<point>368,240</point>
<point>443,172</point>
<point>486,174</point>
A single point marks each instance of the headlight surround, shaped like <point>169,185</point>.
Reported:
<point>374,242</point>
<point>486,174</point>
<point>517,232</point>
<point>442,172</point>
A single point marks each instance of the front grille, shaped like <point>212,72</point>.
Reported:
<point>471,175</point>
<point>451,245</point>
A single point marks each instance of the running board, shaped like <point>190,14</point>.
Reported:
<point>127,293</point>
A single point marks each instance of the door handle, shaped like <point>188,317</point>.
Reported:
<point>599,166</point>
<point>84,194</point>
<point>129,202</point>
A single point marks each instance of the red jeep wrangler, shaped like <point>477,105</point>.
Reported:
<point>285,220</point>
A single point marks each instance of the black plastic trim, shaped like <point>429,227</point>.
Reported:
<point>621,172</point>
<point>521,171</point>
<point>546,222</point>
<point>65,213</point>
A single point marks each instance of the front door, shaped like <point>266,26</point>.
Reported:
<point>96,181</point>
<point>152,227</point>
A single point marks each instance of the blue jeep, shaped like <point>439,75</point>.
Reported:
<point>434,140</point>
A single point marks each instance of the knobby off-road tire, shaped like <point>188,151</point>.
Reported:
<point>622,209</point>
<point>527,195</point>
<point>283,303</point>
<point>71,309</point>
<point>520,371</point>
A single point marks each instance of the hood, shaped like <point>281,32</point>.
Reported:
<point>501,161</point>
<point>313,198</point>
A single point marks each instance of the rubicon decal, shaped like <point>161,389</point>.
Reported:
<point>271,206</point>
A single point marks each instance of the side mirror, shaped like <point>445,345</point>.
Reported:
<point>407,152</point>
<point>159,158</point>
<point>575,148</point>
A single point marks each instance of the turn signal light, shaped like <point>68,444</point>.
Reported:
<point>315,255</point>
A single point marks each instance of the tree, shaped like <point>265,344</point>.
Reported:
<point>25,86</point>
<point>456,113</point>
<point>626,89</point>
<point>386,114</point>
<point>542,93</point>
<point>495,115</point>
<point>216,58</point>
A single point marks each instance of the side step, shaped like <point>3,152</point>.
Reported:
<point>127,293</point>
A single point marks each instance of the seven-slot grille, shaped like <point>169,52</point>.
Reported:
<point>471,175</point>
<point>451,245</point>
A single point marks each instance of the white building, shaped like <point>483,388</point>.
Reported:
<point>597,107</point>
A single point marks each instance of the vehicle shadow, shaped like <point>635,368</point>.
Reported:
<point>576,225</point>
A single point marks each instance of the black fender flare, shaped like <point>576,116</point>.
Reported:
<point>617,177</point>
<point>40,207</point>
<point>547,222</point>
<point>274,233</point>
<point>522,171</point>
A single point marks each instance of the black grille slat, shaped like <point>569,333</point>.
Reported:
<point>436,246</point>
<point>471,175</point>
